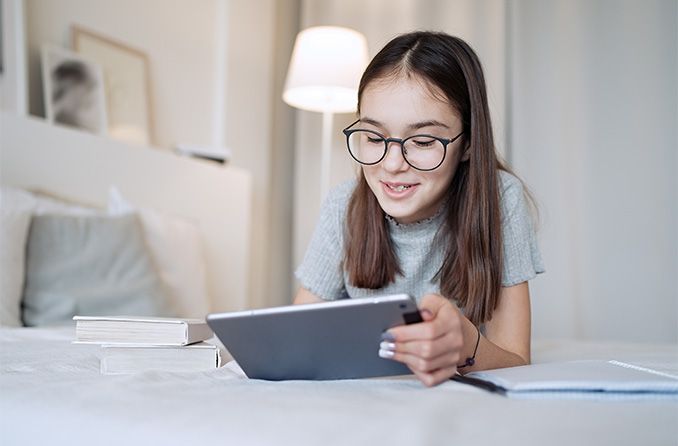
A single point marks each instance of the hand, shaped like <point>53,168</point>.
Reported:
<point>431,349</point>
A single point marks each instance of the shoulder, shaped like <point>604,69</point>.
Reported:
<point>333,210</point>
<point>511,195</point>
<point>509,184</point>
<point>338,198</point>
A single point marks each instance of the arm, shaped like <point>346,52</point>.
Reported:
<point>434,348</point>
<point>304,296</point>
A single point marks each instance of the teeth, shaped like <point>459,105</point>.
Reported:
<point>400,188</point>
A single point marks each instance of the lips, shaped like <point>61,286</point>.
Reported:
<point>397,189</point>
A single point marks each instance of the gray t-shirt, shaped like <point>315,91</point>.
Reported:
<point>420,259</point>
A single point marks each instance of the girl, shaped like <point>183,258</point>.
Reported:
<point>433,213</point>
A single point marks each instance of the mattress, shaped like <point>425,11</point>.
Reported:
<point>51,392</point>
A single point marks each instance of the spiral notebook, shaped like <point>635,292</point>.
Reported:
<point>596,379</point>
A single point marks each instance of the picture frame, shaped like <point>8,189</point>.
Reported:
<point>73,90</point>
<point>127,85</point>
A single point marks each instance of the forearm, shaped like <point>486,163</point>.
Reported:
<point>304,296</point>
<point>488,355</point>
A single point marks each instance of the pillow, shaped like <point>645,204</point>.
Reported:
<point>13,233</point>
<point>17,206</point>
<point>175,246</point>
<point>95,266</point>
<point>40,204</point>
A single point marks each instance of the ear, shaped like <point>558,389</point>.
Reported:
<point>466,154</point>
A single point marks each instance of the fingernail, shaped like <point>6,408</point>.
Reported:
<point>387,336</point>
<point>387,346</point>
<point>387,354</point>
<point>426,312</point>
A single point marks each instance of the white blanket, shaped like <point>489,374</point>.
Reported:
<point>51,392</point>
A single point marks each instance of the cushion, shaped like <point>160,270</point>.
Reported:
<point>175,245</point>
<point>40,204</point>
<point>17,207</point>
<point>88,265</point>
<point>13,233</point>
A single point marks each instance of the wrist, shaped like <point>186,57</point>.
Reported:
<point>471,336</point>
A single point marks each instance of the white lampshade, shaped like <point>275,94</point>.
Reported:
<point>325,70</point>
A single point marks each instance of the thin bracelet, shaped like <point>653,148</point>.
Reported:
<point>472,360</point>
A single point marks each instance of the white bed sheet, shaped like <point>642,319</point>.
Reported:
<point>51,392</point>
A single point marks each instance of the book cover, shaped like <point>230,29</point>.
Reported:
<point>576,379</point>
<point>140,330</point>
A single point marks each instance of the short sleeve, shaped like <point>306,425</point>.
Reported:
<point>522,259</point>
<point>321,270</point>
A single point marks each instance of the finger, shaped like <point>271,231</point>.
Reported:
<point>445,321</point>
<point>419,364</point>
<point>422,331</point>
<point>432,303</point>
<point>440,308</point>
<point>426,315</point>
<point>437,377</point>
<point>449,341</point>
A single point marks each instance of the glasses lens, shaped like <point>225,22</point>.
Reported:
<point>366,147</point>
<point>424,152</point>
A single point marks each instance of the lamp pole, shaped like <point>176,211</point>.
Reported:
<point>326,155</point>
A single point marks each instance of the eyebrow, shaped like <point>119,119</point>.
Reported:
<point>414,126</point>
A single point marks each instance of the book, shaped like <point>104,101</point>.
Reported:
<point>577,379</point>
<point>126,359</point>
<point>140,330</point>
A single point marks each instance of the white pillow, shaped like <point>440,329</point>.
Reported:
<point>40,204</point>
<point>16,208</point>
<point>14,226</point>
<point>176,250</point>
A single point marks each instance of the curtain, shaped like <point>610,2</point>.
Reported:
<point>584,100</point>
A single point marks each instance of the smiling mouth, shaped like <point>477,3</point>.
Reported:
<point>399,187</point>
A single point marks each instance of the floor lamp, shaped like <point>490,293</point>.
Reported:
<point>323,76</point>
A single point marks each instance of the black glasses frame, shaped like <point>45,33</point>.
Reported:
<point>348,131</point>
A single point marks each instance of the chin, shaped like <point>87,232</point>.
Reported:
<point>395,211</point>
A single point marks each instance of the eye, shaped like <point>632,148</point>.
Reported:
<point>423,143</point>
<point>374,139</point>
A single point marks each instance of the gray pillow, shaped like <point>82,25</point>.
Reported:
<point>94,266</point>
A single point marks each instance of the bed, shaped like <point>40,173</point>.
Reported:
<point>51,390</point>
<point>52,393</point>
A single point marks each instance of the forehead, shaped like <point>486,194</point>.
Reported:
<point>401,100</point>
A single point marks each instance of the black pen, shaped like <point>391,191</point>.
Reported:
<point>486,385</point>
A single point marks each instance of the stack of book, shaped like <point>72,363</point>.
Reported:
<point>138,344</point>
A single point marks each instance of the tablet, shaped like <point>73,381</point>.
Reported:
<point>327,340</point>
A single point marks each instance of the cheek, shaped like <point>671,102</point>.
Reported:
<point>370,174</point>
<point>441,178</point>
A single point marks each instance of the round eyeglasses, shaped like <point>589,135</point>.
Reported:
<point>422,152</point>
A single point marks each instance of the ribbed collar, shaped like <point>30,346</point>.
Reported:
<point>431,223</point>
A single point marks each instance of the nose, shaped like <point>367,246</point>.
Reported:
<point>394,160</point>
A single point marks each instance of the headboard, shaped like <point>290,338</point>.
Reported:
<point>81,167</point>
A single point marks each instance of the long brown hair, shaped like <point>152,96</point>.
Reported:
<point>472,269</point>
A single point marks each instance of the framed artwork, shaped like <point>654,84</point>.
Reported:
<point>127,86</point>
<point>73,89</point>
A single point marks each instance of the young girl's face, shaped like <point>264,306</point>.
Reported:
<point>399,108</point>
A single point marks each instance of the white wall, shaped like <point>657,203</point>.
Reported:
<point>177,36</point>
<point>259,129</point>
<point>13,80</point>
<point>180,39</point>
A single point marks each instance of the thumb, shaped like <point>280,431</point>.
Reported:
<point>429,306</point>
<point>426,314</point>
